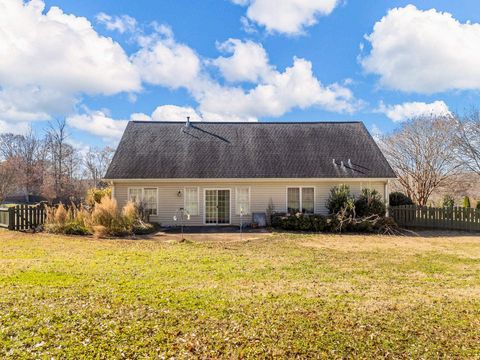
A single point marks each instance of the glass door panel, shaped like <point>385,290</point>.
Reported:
<point>223,206</point>
<point>210,206</point>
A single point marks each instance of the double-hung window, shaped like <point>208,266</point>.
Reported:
<point>150,200</point>
<point>191,200</point>
<point>242,205</point>
<point>147,197</point>
<point>300,199</point>
<point>135,195</point>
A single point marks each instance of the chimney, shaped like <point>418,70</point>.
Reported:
<point>188,122</point>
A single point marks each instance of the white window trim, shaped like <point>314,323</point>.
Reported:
<point>237,210</point>
<point>205,206</point>
<point>301,196</point>
<point>198,198</point>
<point>143,195</point>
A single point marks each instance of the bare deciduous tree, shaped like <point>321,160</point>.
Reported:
<point>468,140</point>
<point>63,158</point>
<point>27,154</point>
<point>56,142</point>
<point>96,163</point>
<point>9,145</point>
<point>7,178</point>
<point>422,154</point>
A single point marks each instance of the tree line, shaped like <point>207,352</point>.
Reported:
<point>430,152</point>
<point>48,165</point>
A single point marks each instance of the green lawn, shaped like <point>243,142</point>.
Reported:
<point>279,296</point>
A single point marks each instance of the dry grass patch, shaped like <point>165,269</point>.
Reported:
<point>280,295</point>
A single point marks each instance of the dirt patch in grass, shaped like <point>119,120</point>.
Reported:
<point>218,296</point>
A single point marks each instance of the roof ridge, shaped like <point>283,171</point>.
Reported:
<point>245,122</point>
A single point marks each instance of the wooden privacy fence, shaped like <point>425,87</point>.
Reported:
<point>449,218</point>
<point>22,217</point>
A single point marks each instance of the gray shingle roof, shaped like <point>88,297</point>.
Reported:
<point>150,150</point>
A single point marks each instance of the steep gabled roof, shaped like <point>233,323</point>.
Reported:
<point>150,150</point>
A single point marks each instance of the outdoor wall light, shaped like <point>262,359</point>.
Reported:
<point>179,193</point>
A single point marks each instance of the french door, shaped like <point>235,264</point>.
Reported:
<point>217,207</point>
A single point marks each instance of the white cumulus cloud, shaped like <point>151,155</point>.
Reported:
<point>163,61</point>
<point>14,128</point>
<point>411,110</point>
<point>248,62</point>
<point>122,23</point>
<point>424,51</point>
<point>140,117</point>
<point>98,123</point>
<point>175,113</point>
<point>286,16</point>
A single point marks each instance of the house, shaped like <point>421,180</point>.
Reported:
<point>219,172</point>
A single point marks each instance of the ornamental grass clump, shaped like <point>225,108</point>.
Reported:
<point>61,215</point>
<point>106,219</point>
<point>103,220</point>
<point>68,221</point>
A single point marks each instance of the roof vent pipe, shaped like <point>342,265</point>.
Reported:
<point>349,163</point>
<point>334,163</point>
<point>188,122</point>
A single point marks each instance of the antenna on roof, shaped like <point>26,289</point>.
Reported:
<point>188,122</point>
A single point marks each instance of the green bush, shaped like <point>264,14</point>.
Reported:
<point>340,199</point>
<point>466,202</point>
<point>369,203</point>
<point>319,223</point>
<point>478,204</point>
<point>299,222</point>
<point>75,228</point>
<point>398,198</point>
<point>448,201</point>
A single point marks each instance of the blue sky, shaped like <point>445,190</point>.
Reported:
<point>243,60</point>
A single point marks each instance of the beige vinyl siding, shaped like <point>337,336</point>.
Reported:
<point>260,194</point>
